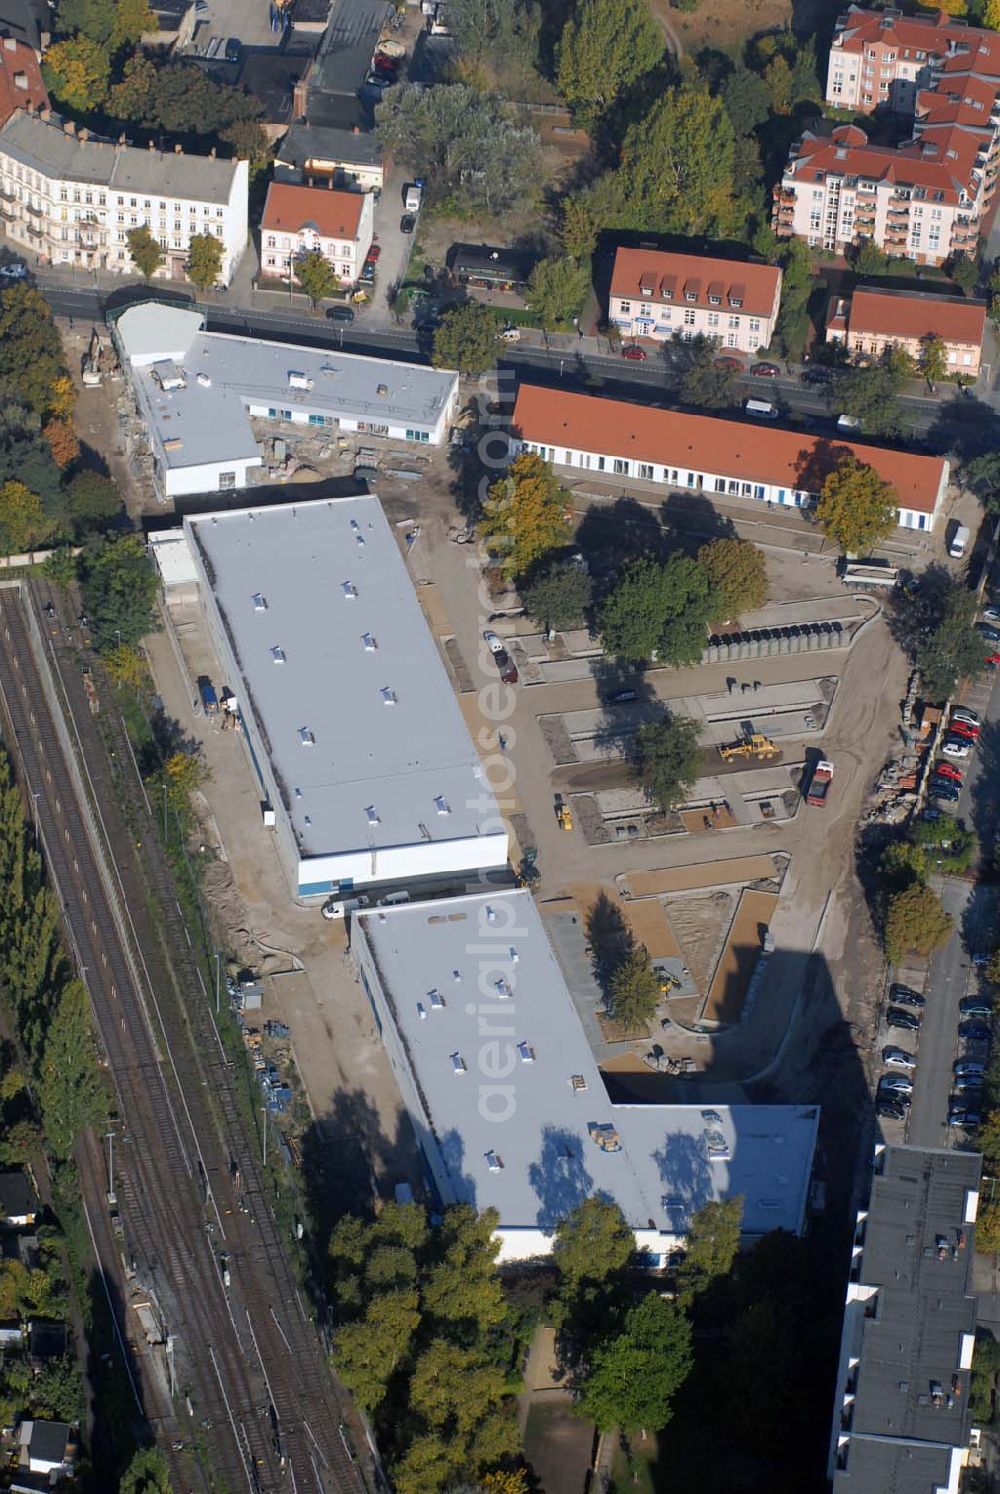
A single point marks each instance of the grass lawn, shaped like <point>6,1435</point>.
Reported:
<point>635,1474</point>
<point>558,1446</point>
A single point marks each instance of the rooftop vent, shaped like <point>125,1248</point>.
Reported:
<point>277,655</point>
<point>494,1161</point>
<point>441,805</point>
<point>383,389</point>
<point>349,589</point>
<point>259,601</point>
<point>512,954</point>
<point>436,1000</point>
<point>368,639</point>
<point>577,1083</point>
<point>421,1011</point>
<point>458,1063</point>
<point>372,814</point>
<point>456,975</point>
<point>204,381</point>
<point>502,989</point>
<point>299,381</point>
<point>306,737</point>
<point>525,1052</point>
<point>491,914</point>
<point>388,695</point>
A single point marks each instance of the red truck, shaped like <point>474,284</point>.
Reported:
<point>820,784</point>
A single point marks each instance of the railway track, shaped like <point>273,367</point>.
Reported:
<point>188,1179</point>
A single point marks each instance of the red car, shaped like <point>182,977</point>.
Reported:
<point>635,353</point>
<point>765,370</point>
<point>727,362</point>
<point>964,729</point>
<point>374,252</point>
<point>945,770</point>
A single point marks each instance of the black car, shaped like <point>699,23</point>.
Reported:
<point>896,1017</point>
<point>892,1109</point>
<point>407,223</point>
<point>817,376</point>
<point>992,635</point>
<point>979,1031</point>
<point>959,1115</point>
<point>340,314</point>
<point>904,996</point>
<point>622,697</point>
<point>234,49</point>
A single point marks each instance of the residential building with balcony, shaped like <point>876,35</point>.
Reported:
<point>901,1409</point>
<point>660,296</point>
<point>923,199</point>
<point>316,220</point>
<point>871,320</point>
<point>70,197</point>
<point>706,454</point>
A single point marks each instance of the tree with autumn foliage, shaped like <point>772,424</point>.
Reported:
<point>524,516</point>
<point>127,666</point>
<point>183,772</point>
<point>856,508</point>
<point>62,441</point>
<point>23,523</point>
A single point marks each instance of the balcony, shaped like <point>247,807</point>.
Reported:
<point>7,195</point>
<point>36,212</point>
<point>35,231</point>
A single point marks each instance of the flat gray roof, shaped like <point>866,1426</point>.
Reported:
<point>918,1250</point>
<point>210,420</point>
<point>280,577</point>
<point>44,146</point>
<point>346,50</point>
<point>878,1466</point>
<point>438,961</point>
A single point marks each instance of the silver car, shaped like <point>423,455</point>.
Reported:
<point>899,1057</point>
<point>900,1084</point>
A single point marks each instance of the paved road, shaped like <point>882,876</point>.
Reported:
<point>577,365</point>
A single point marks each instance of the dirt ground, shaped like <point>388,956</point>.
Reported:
<point>740,956</point>
<point>700,924</point>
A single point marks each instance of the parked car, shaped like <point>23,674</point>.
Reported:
<point>886,1106</point>
<point>965,1068</point>
<point>407,223</point>
<point>506,666</point>
<point>979,1032</point>
<point>817,376</point>
<point>898,1056</point>
<point>975,1006</point>
<point>622,697</point>
<point>374,252</point>
<point>961,1115</point>
<point>340,313</point>
<point>968,730</point>
<point>955,747</point>
<point>980,958</point>
<point>905,996</point>
<point>901,1083</point>
<point>896,1017</point>
<point>991,615</point>
<point>991,634</point>
<point>945,793</point>
<point>510,334</point>
<point>234,49</point>
<point>963,713</point>
<point>494,643</point>
<point>728,361</point>
<point>948,770</point>
<point>15,271</point>
<point>765,370</point>
<point>637,354</point>
<point>973,1085</point>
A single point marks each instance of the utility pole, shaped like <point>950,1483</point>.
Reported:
<point>111,1167</point>
<point>218,967</point>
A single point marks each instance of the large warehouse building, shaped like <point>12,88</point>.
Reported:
<point>365,765</point>
<point>510,1109</point>
<point>198,391</point>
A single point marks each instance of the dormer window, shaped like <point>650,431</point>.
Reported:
<point>715,300</point>
<point>690,295</point>
<point>735,301</point>
<point>645,290</point>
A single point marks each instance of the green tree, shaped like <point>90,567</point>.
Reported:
<point>658,610</point>
<point>634,990</point>
<point>792,329</point>
<point>982,475</point>
<point>988,1229</point>
<point>524,515</point>
<point>668,759</point>
<point>747,100</point>
<point>204,260</point>
<point>991,15</point>
<point>130,97</point>
<point>497,34</point>
<point>558,595</point>
<point>778,82</point>
<point>146,1474</point>
<point>119,590</point>
<point>248,141</point>
<point>711,1247</point>
<point>368,1352</point>
<point>593,1245</point>
<point>606,46</point>
<point>23,524</point>
<point>737,572</point>
<point>471,148</point>
<point>61,567</point>
<point>466,339</point>
<point>317,277</point>
<point>461,1290</point>
<point>585,213</point>
<point>93,499</point>
<point>964,272</point>
<point>952,652</point>
<point>557,289</point>
<point>69,1088</point>
<point>869,259</point>
<point>856,507</point>
<point>915,921</point>
<point>633,1377</point>
<point>108,23</point>
<point>806,87</point>
<point>32,365</point>
<point>933,359</point>
<point>677,166</point>
<point>706,384</point>
<point>945,845</point>
<point>147,252</point>
<point>57,1390</point>
<point>76,72</point>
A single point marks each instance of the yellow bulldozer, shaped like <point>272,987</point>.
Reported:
<point>756,745</point>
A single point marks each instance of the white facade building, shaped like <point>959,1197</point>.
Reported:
<point>703,453</point>
<point>198,391</point>
<point>316,220</point>
<point>71,198</point>
<point>367,773</point>
<point>510,1110</point>
<point>661,296</point>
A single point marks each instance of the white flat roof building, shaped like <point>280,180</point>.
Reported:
<point>197,392</point>
<point>509,1106</point>
<point>350,719</point>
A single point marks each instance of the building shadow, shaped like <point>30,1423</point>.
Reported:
<point>119,1425</point>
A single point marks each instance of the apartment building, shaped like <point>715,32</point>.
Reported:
<point>925,198</point>
<point>871,320</point>
<point>306,220</point>
<point>69,197</point>
<point>660,296</point>
<point>706,454</point>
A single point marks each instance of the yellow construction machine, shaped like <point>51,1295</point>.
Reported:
<point>755,745</point>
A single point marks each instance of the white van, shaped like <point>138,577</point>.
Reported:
<point>762,409</point>
<point>848,423</point>
<point>414,197</point>
<point>959,542</point>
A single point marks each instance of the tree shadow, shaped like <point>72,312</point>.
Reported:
<point>610,938</point>
<point>559,1179</point>
<point>964,427</point>
<point>985,799</point>
<point>610,536</point>
<point>694,519</point>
